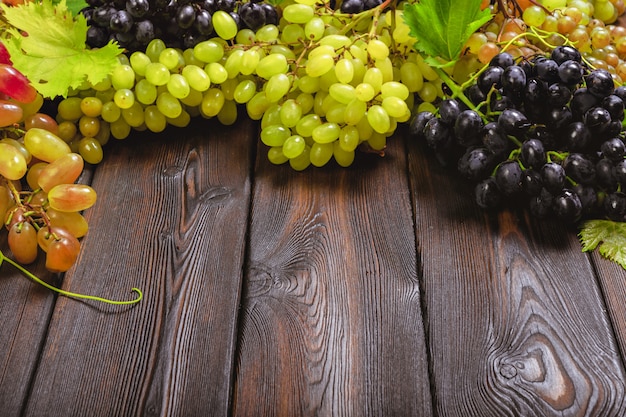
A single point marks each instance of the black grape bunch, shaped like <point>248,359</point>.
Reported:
<point>543,133</point>
<point>179,23</point>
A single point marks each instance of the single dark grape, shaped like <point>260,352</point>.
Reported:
<point>582,101</point>
<point>533,153</point>
<point>558,95</point>
<point>137,8</point>
<point>605,175</point>
<point>102,15</point>
<point>252,14</point>
<point>588,198</point>
<point>97,37</point>
<point>467,127</point>
<point>502,103</point>
<point>620,91</point>
<point>600,83</point>
<point>579,168</point>
<point>475,164</point>
<point>540,206</point>
<point>615,206</point>
<point>438,135</point>
<point>513,79</point>
<point>531,182</point>
<point>536,91</point>
<point>121,22</point>
<point>475,94</point>
<point>570,72</point>
<point>513,122</point>
<point>557,118</point>
<point>619,170</point>
<point>567,206</point>
<point>613,149</point>
<point>203,23</point>
<point>418,123</point>
<point>576,137</point>
<point>597,118</point>
<point>491,77</point>
<point>487,195</point>
<point>508,176</point>
<point>614,105</point>
<point>547,70</point>
<point>496,141</point>
<point>352,6</point>
<point>271,14</point>
<point>564,53</point>
<point>502,60</point>
<point>449,110</point>
<point>553,177</point>
<point>226,5</point>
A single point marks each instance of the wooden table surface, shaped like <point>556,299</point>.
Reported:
<point>377,290</point>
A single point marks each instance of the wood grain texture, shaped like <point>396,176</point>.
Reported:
<point>25,310</point>
<point>331,321</point>
<point>171,219</point>
<point>515,318</point>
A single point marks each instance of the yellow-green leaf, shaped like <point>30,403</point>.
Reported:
<point>606,235</point>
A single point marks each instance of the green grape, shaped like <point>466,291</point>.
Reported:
<point>103,85</point>
<point>216,72</point>
<point>378,118</point>
<point>343,93</point>
<point>139,61</point>
<point>245,90</point>
<point>349,138</point>
<point>212,102</point>
<point>294,146</point>
<point>67,130</point>
<point>343,157</point>
<point>411,76</point>
<point>69,108</point>
<point>224,25</point>
<point>344,70</point>
<point>132,115</point>
<point>145,93</point>
<point>271,116</point>
<point>249,60</point>
<point>377,141</point>
<point>228,114</point>
<point>208,51</point>
<point>13,165</point>
<point>326,133</point>
<point>374,77</point>
<point>123,77</point>
<point>20,147</point>
<point>110,112</point>
<point>377,49</point>
<point>275,155</point>
<point>308,84</point>
<point>44,145</point>
<point>272,64</point>
<point>364,92</point>
<point>305,101</point>
<point>169,105</point>
<point>394,89</point>
<point>157,74</point>
<point>178,86</point>
<point>91,150</point>
<point>534,16</point>
<point>282,50</point>
<point>91,106</point>
<point>427,72</point>
<point>181,120</point>
<point>267,33</point>
<point>277,87</point>
<point>319,65</point>
<point>307,124</point>
<point>429,92</point>
<point>154,48</point>
<point>88,126</point>
<point>124,98</point>
<point>321,50</point>
<point>275,135</point>
<point>193,99</point>
<point>354,111</point>
<point>257,105</point>
<point>245,37</point>
<point>233,63</point>
<point>155,120</point>
<point>197,78</point>
<point>302,161</point>
<point>336,113</point>
<point>320,154</point>
<point>394,106</point>
<point>290,113</point>
<point>120,129</point>
<point>314,28</point>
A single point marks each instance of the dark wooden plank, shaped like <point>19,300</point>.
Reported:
<point>517,323</point>
<point>612,279</point>
<point>25,311</point>
<point>171,219</point>
<point>331,321</point>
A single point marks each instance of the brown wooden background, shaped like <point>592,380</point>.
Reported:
<point>377,290</point>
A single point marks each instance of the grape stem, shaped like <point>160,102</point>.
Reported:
<point>32,276</point>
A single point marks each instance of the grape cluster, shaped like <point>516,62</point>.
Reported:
<point>545,132</point>
<point>179,23</point>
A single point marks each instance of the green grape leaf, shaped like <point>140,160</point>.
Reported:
<point>442,27</point>
<point>74,6</point>
<point>48,45</point>
<point>606,235</point>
